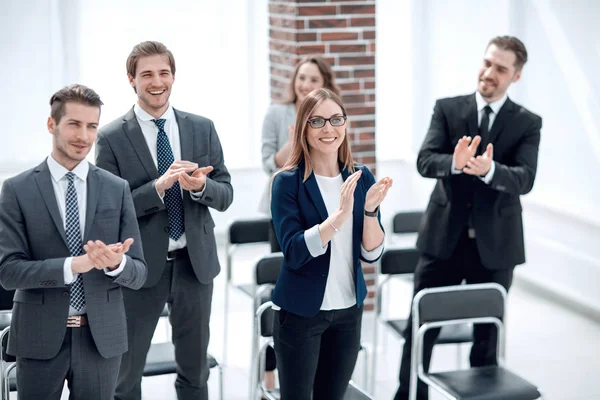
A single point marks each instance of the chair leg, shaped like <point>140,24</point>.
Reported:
<point>374,355</point>
<point>221,382</point>
<point>365,379</point>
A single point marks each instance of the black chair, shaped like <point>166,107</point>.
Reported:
<point>460,304</point>
<point>398,263</point>
<point>240,233</point>
<point>263,332</point>
<point>407,222</point>
<point>160,359</point>
<point>8,365</point>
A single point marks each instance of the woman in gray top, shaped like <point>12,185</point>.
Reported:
<point>310,73</point>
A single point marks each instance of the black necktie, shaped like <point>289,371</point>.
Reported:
<point>484,130</point>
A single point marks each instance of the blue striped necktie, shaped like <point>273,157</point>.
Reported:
<point>173,200</point>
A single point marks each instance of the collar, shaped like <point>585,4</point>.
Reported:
<point>495,106</point>
<point>142,115</point>
<point>58,171</point>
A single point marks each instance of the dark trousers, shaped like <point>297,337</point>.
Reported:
<point>189,303</point>
<point>88,374</point>
<point>316,356</point>
<point>464,264</point>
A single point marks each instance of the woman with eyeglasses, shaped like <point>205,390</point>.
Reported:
<point>325,210</point>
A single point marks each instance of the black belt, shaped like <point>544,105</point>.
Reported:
<point>177,254</point>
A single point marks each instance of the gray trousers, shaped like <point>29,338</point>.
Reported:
<point>189,303</point>
<point>89,375</point>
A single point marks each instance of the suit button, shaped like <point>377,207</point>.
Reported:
<point>167,229</point>
<point>65,293</point>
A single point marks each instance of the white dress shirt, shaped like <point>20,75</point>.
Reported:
<point>495,106</point>
<point>60,184</point>
<point>150,132</point>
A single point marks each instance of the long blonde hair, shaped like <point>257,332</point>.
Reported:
<point>300,150</point>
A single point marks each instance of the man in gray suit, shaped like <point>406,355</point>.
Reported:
<point>174,164</point>
<point>68,317</point>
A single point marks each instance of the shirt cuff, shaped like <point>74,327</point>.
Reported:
<point>161,197</point>
<point>312,237</point>
<point>490,175</point>
<point>198,195</point>
<point>118,270</point>
<point>453,169</point>
<point>68,272</point>
<point>373,254</point>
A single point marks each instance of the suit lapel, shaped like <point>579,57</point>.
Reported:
<point>315,194</point>
<point>471,117</point>
<point>505,114</point>
<point>94,188</point>
<point>44,182</point>
<point>136,137</point>
<point>186,136</point>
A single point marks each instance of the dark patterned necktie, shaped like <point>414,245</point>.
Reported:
<point>484,130</point>
<point>74,240</point>
<point>173,200</point>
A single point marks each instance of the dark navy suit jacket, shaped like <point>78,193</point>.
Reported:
<point>297,206</point>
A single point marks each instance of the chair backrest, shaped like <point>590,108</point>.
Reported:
<point>459,302</point>
<point>249,231</point>
<point>268,268</point>
<point>407,222</point>
<point>6,299</point>
<point>398,261</point>
<point>266,318</point>
<point>5,356</point>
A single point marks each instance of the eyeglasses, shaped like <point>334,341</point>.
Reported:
<point>338,120</point>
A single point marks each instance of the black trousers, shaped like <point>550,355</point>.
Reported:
<point>465,264</point>
<point>316,356</point>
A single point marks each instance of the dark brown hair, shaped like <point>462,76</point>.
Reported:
<point>300,150</point>
<point>145,49</point>
<point>72,94</point>
<point>513,44</point>
<point>324,69</point>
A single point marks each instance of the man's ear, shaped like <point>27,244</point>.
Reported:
<point>51,124</point>
<point>517,76</point>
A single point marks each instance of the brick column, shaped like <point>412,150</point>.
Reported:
<point>342,32</point>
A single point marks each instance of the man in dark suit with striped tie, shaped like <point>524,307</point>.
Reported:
<point>482,149</point>
<point>69,241</point>
<point>174,164</point>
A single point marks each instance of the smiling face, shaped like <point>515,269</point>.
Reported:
<point>497,72</point>
<point>74,134</point>
<point>328,139</point>
<point>152,82</point>
<point>308,79</point>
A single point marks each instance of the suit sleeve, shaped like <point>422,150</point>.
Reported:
<point>518,178</point>
<point>218,192</point>
<point>145,198</point>
<point>435,157</point>
<point>135,272</point>
<point>17,269</point>
<point>289,228</point>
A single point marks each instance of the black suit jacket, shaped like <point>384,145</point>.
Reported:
<point>494,209</point>
<point>122,150</point>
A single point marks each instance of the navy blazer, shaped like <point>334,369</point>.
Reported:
<point>297,206</point>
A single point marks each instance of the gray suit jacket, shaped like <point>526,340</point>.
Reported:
<point>122,150</point>
<point>33,248</point>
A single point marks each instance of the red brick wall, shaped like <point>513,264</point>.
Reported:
<point>342,32</point>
